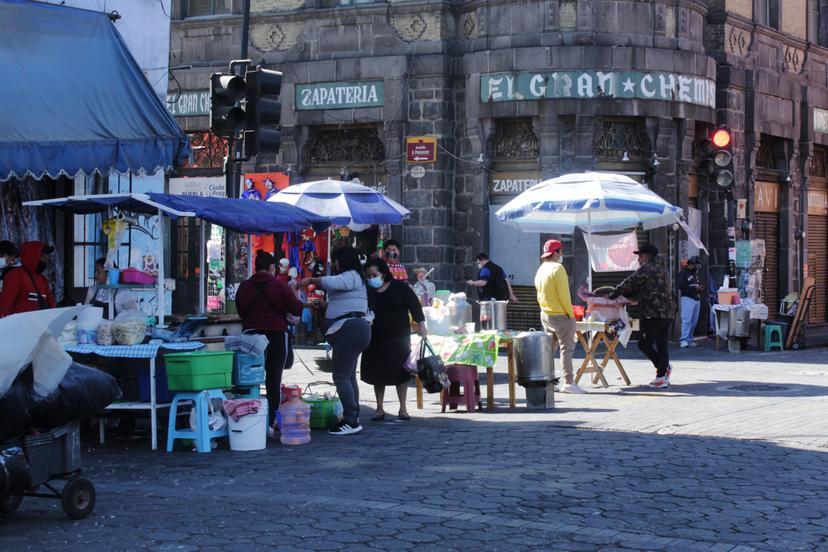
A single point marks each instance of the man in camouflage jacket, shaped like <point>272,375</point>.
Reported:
<point>650,286</point>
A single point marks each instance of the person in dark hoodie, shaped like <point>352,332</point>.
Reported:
<point>264,303</point>
<point>650,285</point>
<point>25,288</point>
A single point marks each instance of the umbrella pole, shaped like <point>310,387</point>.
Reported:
<point>201,265</point>
<point>328,262</point>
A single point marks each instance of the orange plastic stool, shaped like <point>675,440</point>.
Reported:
<point>465,375</point>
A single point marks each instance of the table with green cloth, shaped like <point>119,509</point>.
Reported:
<point>479,349</point>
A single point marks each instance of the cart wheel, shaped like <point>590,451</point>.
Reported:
<point>78,498</point>
<point>9,504</point>
<point>795,345</point>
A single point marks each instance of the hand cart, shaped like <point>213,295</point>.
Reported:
<point>52,456</point>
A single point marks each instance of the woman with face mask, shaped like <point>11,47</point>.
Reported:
<point>348,323</point>
<point>25,288</point>
<point>392,250</point>
<point>383,360</point>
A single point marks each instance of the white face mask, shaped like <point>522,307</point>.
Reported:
<point>2,262</point>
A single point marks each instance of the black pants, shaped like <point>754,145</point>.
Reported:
<point>279,352</point>
<point>347,344</point>
<point>652,340</point>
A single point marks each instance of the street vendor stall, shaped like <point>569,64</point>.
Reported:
<point>233,214</point>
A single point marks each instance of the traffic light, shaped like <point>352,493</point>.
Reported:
<point>227,117</point>
<point>264,112</point>
<point>717,158</point>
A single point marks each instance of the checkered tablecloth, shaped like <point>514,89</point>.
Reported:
<point>149,350</point>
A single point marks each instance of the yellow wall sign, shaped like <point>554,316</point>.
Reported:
<point>421,149</point>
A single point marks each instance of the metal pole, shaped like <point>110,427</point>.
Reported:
<point>245,28</point>
<point>161,323</point>
<point>202,267</point>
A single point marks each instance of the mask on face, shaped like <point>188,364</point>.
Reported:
<point>393,256</point>
<point>41,266</point>
<point>375,282</point>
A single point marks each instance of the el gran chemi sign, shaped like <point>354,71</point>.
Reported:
<point>340,95</point>
<point>503,87</point>
<point>190,103</point>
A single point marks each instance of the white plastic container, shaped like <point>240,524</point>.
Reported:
<point>250,432</point>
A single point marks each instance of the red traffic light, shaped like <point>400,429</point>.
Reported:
<point>721,138</point>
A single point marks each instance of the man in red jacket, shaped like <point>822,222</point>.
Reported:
<point>25,288</point>
<point>263,303</point>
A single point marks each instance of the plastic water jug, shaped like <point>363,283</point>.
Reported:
<point>295,416</point>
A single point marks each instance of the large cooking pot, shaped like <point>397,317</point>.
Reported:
<point>738,322</point>
<point>534,358</point>
<point>493,315</point>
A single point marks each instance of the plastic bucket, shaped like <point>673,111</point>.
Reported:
<point>250,432</point>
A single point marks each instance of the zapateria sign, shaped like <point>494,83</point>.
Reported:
<point>502,87</point>
<point>340,95</point>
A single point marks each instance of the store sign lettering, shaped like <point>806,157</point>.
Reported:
<point>821,120</point>
<point>189,104</point>
<point>766,197</point>
<point>340,95</point>
<point>512,183</point>
<point>503,87</point>
<point>818,202</point>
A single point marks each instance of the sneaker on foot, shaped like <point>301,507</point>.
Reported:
<point>692,344</point>
<point>669,372</point>
<point>683,345</point>
<point>660,383</point>
<point>344,428</point>
<point>573,389</point>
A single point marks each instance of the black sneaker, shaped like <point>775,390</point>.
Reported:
<point>344,428</point>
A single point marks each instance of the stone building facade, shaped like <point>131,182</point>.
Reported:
<point>520,91</point>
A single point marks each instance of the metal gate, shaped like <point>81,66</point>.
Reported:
<point>767,228</point>
<point>818,266</point>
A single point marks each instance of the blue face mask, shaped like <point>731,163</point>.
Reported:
<point>375,282</point>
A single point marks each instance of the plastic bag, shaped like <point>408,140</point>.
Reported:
<point>49,363</point>
<point>15,408</point>
<point>82,393</point>
<point>217,418</point>
<point>410,365</point>
<point>130,326</point>
<point>105,336</point>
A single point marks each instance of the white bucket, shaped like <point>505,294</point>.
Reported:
<point>250,432</point>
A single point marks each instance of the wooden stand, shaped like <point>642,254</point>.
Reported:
<point>801,311</point>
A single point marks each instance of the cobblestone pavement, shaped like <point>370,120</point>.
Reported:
<point>508,480</point>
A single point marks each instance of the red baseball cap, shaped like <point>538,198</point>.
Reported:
<point>550,247</point>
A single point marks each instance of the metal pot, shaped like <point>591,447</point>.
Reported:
<point>493,315</point>
<point>534,358</point>
<point>738,324</point>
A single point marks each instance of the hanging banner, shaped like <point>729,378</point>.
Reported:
<point>612,253</point>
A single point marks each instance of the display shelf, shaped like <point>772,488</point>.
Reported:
<point>127,286</point>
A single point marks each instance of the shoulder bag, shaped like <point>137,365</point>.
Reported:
<point>431,370</point>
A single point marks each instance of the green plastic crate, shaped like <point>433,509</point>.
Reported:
<point>196,371</point>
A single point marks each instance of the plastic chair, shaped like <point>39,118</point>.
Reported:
<point>202,435</point>
<point>465,375</point>
<point>772,337</point>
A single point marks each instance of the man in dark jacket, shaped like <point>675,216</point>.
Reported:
<point>491,281</point>
<point>650,286</point>
<point>263,303</point>
<point>690,287</point>
<point>25,288</point>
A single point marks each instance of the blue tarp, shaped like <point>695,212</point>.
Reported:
<point>244,215</point>
<point>238,215</point>
<point>73,100</point>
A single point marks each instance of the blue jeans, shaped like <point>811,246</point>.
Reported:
<point>689,318</point>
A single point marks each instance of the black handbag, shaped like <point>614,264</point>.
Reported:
<point>431,370</point>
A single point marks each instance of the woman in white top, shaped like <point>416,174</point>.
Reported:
<point>348,330</point>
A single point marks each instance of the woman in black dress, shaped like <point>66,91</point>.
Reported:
<point>382,362</point>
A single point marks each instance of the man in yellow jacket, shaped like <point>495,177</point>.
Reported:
<point>552,285</point>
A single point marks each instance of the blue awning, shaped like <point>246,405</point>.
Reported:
<point>239,215</point>
<point>74,100</point>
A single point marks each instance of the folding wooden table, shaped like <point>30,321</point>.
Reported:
<point>600,334</point>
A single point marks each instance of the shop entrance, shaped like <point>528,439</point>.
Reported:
<point>818,247</point>
<point>766,207</point>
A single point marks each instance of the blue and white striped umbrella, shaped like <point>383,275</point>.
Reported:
<point>591,202</point>
<point>344,203</point>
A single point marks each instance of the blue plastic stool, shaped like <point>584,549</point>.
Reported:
<point>772,337</point>
<point>202,434</point>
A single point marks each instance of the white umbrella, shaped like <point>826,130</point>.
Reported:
<point>344,203</point>
<point>591,202</point>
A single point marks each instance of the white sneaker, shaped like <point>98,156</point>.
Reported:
<point>683,345</point>
<point>660,383</point>
<point>692,344</point>
<point>669,372</point>
<point>573,389</point>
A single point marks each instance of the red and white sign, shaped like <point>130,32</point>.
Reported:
<point>612,253</point>
<point>421,149</point>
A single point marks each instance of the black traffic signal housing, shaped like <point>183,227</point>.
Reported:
<point>717,158</point>
<point>263,133</point>
<point>227,117</point>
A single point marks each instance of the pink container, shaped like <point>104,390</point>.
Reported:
<point>135,276</point>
